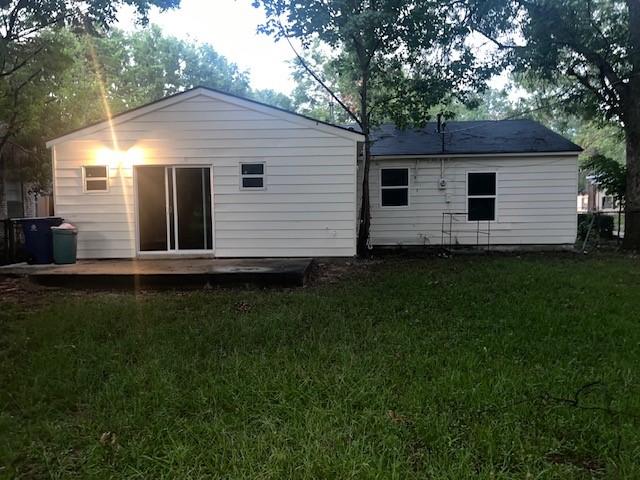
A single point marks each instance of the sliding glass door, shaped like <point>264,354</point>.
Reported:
<point>174,208</point>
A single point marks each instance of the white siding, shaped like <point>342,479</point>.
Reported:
<point>307,209</point>
<point>535,201</point>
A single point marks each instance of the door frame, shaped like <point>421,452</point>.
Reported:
<point>136,212</point>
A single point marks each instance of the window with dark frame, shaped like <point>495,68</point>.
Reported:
<point>252,175</point>
<point>481,196</point>
<point>96,178</point>
<point>394,187</point>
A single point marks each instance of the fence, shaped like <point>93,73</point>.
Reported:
<point>11,242</point>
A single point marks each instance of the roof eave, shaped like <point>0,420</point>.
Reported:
<point>472,154</point>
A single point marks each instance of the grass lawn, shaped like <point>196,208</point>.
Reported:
<point>478,367</point>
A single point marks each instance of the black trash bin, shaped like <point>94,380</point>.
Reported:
<point>38,241</point>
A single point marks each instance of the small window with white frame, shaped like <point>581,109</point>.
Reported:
<point>252,176</point>
<point>96,178</point>
<point>481,196</point>
<point>394,187</point>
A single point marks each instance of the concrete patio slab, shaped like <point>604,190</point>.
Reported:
<point>166,273</point>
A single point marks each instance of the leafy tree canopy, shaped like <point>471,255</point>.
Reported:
<point>588,53</point>
<point>403,56</point>
<point>30,60</point>
<point>609,174</point>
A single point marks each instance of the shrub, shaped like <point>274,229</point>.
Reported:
<point>603,225</point>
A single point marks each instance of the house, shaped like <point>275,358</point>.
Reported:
<point>205,172</point>
<point>592,198</point>
<point>510,182</point>
<point>18,197</point>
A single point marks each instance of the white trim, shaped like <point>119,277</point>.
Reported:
<point>473,155</point>
<point>198,91</point>
<point>174,253</point>
<point>174,187</point>
<point>86,179</point>
<point>213,210</point>
<point>356,210</point>
<point>467,196</point>
<point>134,176</point>
<point>395,187</point>
<point>241,176</point>
<point>53,179</point>
<point>167,208</point>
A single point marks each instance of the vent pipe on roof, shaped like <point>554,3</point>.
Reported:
<point>441,128</point>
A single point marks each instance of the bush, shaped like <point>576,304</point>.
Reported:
<point>603,225</point>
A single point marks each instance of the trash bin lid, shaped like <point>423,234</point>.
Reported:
<point>31,219</point>
<point>64,226</point>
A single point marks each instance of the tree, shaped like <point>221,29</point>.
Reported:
<point>491,104</point>
<point>590,51</point>
<point>272,97</point>
<point>29,59</point>
<point>611,176</point>
<point>399,57</point>
<point>310,97</point>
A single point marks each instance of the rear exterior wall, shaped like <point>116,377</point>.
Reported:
<point>535,204</point>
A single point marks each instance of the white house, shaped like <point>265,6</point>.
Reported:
<point>208,173</point>
<point>204,172</point>
<point>481,182</point>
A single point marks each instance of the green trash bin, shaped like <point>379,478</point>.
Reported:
<point>65,244</point>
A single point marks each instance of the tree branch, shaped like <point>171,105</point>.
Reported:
<point>318,79</point>
<point>22,63</point>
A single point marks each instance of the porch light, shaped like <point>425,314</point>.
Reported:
<point>120,158</point>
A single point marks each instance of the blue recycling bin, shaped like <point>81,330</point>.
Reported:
<point>38,240</point>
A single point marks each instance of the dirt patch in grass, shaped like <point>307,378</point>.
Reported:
<point>20,291</point>
<point>594,466</point>
<point>331,271</point>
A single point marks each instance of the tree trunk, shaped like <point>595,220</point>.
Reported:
<point>631,117</point>
<point>632,210</point>
<point>365,204</point>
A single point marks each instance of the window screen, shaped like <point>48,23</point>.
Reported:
<point>252,175</point>
<point>394,187</point>
<point>481,196</point>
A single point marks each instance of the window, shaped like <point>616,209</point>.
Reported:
<point>608,202</point>
<point>394,187</point>
<point>252,175</point>
<point>481,196</point>
<point>96,179</point>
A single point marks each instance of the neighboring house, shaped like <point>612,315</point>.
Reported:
<point>17,196</point>
<point>205,172</point>
<point>595,199</point>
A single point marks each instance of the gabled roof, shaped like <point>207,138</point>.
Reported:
<point>470,138</point>
<point>212,93</point>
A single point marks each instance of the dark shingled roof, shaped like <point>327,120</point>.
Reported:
<point>474,137</point>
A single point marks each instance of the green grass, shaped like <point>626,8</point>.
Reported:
<point>431,368</point>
